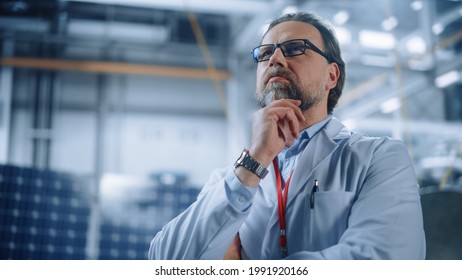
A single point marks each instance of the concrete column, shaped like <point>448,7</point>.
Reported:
<point>6,89</point>
<point>240,108</point>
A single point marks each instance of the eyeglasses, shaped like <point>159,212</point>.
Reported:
<point>288,48</point>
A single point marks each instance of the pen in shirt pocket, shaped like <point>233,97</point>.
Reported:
<point>313,190</point>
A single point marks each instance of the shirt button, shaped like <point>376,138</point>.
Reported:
<point>241,199</point>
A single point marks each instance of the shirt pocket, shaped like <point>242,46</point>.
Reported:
<point>326,217</point>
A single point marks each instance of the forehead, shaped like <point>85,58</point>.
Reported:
<point>289,30</point>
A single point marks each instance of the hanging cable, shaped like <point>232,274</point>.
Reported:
<point>407,137</point>
<point>450,168</point>
<point>208,58</point>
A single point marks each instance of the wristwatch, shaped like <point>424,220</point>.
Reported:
<point>248,162</point>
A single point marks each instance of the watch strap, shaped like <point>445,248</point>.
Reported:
<point>249,163</point>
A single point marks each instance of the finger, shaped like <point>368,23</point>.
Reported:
<point>291,103</point>
<point>293,122</point>
<point>287,120</point>
<point>285,133</point>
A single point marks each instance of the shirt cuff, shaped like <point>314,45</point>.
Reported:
<point>239,195</point>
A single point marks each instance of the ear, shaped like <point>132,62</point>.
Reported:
<point>333,72</point>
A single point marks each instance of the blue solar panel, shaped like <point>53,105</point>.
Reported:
<point>128,232</point>
<point>45,215</point>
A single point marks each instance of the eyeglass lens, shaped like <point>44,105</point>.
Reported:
<point>288,48</point>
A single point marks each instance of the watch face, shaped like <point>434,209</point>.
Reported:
<point>248,162</point>
<point>241,157</point>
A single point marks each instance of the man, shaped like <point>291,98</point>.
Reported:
<point>329,193</point>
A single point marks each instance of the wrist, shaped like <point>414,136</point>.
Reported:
<point>261,156</point>
<point>248,170</point>
<point>246,177</point>
<point>246,161</point>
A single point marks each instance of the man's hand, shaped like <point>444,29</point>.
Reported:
<point>273,128</point>
<point>234,250</point>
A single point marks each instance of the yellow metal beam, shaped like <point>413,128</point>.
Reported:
<point>111,68</point>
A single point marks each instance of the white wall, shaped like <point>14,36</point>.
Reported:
<point>193,145</point>
<point>153,124</point>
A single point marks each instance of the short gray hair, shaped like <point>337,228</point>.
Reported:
<point>331,44</point>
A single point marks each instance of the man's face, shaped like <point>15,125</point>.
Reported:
<point>302,77</point>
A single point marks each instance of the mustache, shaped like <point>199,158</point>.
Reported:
<point>277,71</point>
<point>275,91</point>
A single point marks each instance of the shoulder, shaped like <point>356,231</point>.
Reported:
<point>385,143</point>
<point>367,147</point>
<point>380,154</point>
<point>358,141</point>
<point>379,147</point>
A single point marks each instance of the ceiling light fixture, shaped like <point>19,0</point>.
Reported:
<point>390,105</point>
<point>377,60</point>
<point>417,5</point>
<point>416,45</point>
<point>447,79</point>
<point>343,35</point>
<point>341,17</point>
<point>376,40</point>
<point>289,10</point>
<point>437,28</point>
<point>350,123</point>
<point>390,23</point>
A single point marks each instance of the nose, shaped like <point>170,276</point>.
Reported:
<point>277,58</point>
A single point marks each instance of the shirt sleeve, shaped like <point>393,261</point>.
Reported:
<point>385,221</point>
<point>207,227</point>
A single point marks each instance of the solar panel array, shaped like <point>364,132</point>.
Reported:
<point>127,232</point>
<point>45,215</point>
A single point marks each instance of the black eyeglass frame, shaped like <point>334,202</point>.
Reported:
<point>275,46</point>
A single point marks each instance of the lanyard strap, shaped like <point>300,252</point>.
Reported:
<point>282,202</point>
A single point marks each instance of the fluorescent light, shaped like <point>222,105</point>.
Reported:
<point>376,40</point>
<point>343,35</point>
<point>290,10</point>
<point>210,6</point>
<point>118,30</point>
<point>390,23</point>
<point>350,123</point>
<point>390,105</point>
<point>376,60</point>
<point>416,45</point>
<point>417,5</point>
<point>437,28</point>
<point>447,79</point>
<point>341,17</point>
<point>420,63</point>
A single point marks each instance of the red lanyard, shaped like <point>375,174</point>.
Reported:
<point>282,202</point>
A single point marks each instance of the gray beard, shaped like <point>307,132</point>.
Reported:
<point>278,91</point>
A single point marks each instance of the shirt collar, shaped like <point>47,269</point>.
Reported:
<point>304,137</point>
<point>315,128</point>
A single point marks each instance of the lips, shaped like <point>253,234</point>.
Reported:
<point>276,79</point>
<point>275,75</point>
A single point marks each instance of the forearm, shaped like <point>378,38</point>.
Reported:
<point>207,227</point>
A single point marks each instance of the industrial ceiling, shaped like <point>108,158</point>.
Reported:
<point>403,56</point>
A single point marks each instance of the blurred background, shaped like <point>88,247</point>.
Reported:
<point>114,112</point>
